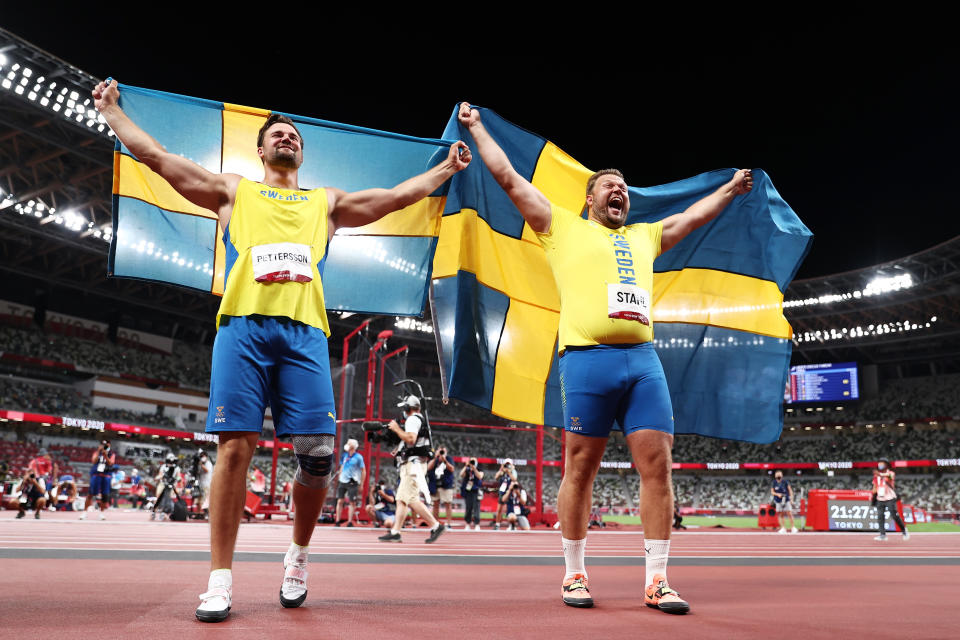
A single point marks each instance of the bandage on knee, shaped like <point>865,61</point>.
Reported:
<point>315,460</point>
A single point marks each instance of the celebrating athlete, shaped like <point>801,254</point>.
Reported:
<point>608,368</point>
<point>271,344</point>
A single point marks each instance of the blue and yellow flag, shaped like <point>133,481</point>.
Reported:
<point>383,267</point>
<point>718,294</point>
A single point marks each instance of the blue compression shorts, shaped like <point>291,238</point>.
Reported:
<point>260,360</point>
<point>603,383</point>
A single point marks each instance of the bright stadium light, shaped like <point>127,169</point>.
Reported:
<point>879,285</point>
<point>412,324</point>
<point>826,335</point>
<point>35,87</point>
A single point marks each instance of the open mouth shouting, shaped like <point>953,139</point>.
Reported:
<point>615,205</point>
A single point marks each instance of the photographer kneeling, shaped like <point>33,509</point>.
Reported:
<point>515,502</point>
<point>412,457</point>
<point>381,505</point>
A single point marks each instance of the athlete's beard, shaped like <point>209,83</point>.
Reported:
<point>284,160</point>
<point>602,214</point>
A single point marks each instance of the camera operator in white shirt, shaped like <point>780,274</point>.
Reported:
<point>412,455</point>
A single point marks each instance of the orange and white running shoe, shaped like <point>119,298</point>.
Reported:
<point>660,596</point>
<point>575,592</point>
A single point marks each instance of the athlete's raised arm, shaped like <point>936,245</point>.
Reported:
<point>363,207</point>
<point>211,191</point>
<point>677,226</point>
<point>533,205</point>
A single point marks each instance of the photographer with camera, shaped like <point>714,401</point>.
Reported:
<point>101,475</point>
<point>514,504</point>
<point>352,473</point>
<point>413,453</point>
<point>440,474</point>
<point>168,475</point>
<point>33,492</point>
<point>471,488</point>
<point>381,505</point>
<point>505,476</point>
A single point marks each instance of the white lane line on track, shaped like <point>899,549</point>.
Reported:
<point>551,556</point>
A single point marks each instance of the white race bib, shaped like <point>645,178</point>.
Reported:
<point>281,262</point>
<point>101,467</point>
<point>628,302</point>
<point>516,509</point>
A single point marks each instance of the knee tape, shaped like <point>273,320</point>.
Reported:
<point>315,458</point>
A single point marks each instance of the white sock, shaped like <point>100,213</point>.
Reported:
<point>220,578</point>
<point>656,554</point>
<point>573,552</point>
<point>297,554</point>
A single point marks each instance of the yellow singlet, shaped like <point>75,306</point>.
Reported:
<point>276,244</point>
<point>605,279</point>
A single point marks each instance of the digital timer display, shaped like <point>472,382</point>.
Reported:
<point>855,515</point>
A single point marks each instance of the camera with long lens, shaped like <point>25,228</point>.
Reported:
<point>380,433</point>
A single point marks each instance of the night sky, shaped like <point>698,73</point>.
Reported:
<point>856,124</point>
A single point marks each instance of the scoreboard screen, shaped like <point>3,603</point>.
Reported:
<point>827,382</point>
<point>855,515</point>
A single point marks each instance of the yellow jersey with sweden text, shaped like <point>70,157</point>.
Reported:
<point>276,246</point>
<point>605,279</point>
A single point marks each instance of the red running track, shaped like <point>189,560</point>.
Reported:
<point>142,580</point>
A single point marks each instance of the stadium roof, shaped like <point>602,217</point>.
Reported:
<point>55,221</point>
<point>898,312</point>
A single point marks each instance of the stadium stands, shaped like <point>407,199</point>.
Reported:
<point>188,365</point>
<point>60,400</point>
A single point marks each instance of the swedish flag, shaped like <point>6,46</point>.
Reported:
<point>383,267</point>
<point>718,295</point>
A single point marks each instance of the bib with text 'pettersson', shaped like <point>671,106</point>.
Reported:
<point>281,262</point>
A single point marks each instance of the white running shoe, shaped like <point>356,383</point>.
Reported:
<point>293,591</point>
<point>102,517</point>
<point>880,538</point>
<point>215,604</point>
<point>794,530</point>
<point>476,528</point>
<point>906,535</point>
<point>83,516</point>
<point>782,530</point>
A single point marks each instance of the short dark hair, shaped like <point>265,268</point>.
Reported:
<point>273,119</point>
<point>591,183</point>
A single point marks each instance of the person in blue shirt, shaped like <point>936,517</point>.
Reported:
<point>471,488</point>
<point>352,474</point>
<point>440,474</point>
<point>782,494</point>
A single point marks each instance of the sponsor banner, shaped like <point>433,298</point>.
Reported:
<point>123,429</point>
<point>64,323</point>
<point>723,465</point>
<point>834,465</point>
<point>145,340</point>
<point>82,423</point>
<point>16,311</point>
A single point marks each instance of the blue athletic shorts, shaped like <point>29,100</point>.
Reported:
<point>606,383</point>
<point>261,360</point>
<point>100,485</point>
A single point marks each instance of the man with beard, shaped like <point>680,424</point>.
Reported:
<point>608,368</point>
<point>271,344</point>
